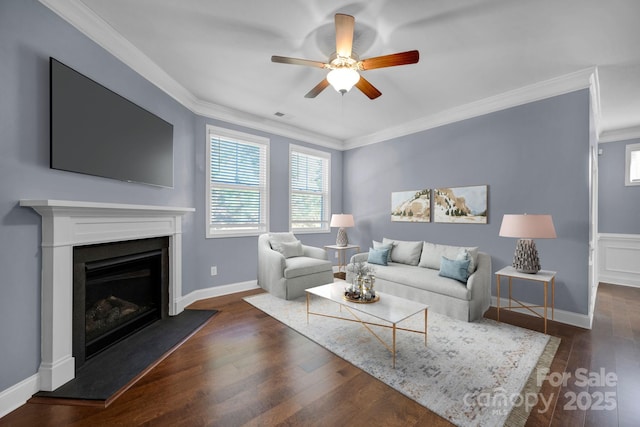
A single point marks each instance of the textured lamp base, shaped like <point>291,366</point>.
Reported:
<point>342,239</point>
<point>526,258</point>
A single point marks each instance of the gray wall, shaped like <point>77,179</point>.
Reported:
<point>534,158</point>
<point>237,258</point>
<point>618,205</point>
<point>29,34</point>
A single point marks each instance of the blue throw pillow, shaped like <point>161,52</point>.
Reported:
<point>378,256</point>
<point>454,269</point>
<point>380,245</point>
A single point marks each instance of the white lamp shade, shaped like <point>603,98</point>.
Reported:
<point>343,79</point>
<point>528,227</point>
<point>342,220</point>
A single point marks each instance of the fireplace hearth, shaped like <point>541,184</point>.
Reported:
<point>118,289</point>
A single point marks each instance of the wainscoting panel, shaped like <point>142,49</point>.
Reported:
<point>619,259</point>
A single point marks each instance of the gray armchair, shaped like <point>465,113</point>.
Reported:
<point>286,267</point>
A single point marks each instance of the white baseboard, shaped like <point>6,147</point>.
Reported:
<point>615,281</point>
<point>18,394</point>
<point>215,291</point>
<point>618,259</point>
<point>562,316</point>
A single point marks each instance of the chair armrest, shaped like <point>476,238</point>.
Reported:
<point>275,261</point>
<point>314,252</point>
<point>271,265</point>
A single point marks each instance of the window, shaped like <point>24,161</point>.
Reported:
<point>237,184</point>
<point>309,183</point>
<point>632,169</point>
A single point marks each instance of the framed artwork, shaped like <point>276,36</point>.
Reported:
<point>411,206</point>
<point>460,205</point>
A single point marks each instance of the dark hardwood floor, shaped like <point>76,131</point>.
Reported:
<point>245,368</point>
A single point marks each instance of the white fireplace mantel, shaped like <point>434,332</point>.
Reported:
<point>66,224</point>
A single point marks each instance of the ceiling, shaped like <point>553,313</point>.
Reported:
<point>476,56</point>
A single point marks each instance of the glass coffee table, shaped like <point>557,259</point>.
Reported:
<point>388,308</point>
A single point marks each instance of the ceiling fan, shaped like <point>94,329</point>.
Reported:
<point>345,65</point>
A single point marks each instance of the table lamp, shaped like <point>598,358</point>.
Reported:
<point>343,221</point>
<point>526,228</point>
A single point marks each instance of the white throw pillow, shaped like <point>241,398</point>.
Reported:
<point>276,240</point>
<point>404,252</point>
<point>291,249</point>
<point>432,254</point>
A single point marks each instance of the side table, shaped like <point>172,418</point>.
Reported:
<point>342,258</point>
<point>543,276</point>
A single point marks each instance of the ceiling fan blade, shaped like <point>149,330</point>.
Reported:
<point>402,58</point>
<point>296,61</point>
<point>367,88</point>
<point>319,88</point>
<point>344,34</point>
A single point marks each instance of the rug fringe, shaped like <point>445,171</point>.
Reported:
<point>519,414</point>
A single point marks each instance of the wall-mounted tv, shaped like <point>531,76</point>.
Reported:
<point>97,132</point>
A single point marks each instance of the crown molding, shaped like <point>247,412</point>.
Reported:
<point>596,105</point>
<point>619,134</point>
<point>95,28</point>
<point>252,121</point>
<point>91,25</point>
<point>546,89</point>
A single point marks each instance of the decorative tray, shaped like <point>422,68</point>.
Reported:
<point>361,301</point>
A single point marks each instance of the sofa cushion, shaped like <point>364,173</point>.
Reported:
<point>380,245</point>
<point>455,269</point>
<point>404,252</point>
<point>422,278</point>
<point>432,254</point>
<point>291,249</point>
<point>302,266</point>
<point>378,256</point>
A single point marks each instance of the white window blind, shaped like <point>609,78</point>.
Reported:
<point>309,175</point>
<point>632,167</point>
<point>237,190</point>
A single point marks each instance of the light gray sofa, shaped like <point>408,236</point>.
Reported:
<point>413,273</point>
<point>286,267</point>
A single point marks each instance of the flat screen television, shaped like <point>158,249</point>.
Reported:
<point>97,132</point>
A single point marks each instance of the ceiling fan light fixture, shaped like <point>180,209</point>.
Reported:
<point>343,79</point>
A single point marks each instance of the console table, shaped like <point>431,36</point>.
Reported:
<point>342,258</point>
<point>543,276</point>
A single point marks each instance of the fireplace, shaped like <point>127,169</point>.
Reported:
<point>67,224</point>
<point>118,289</point>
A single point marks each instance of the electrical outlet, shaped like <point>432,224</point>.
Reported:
<point>214,270</point>
<point>336,255</point>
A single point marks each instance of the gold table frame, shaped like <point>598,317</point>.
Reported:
<point>342,258</point>
<point>366,324</point>
<point>543,276</point>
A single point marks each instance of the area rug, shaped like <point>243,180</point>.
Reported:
<point>472,374</point>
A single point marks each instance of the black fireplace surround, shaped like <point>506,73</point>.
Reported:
<point>118,289</point>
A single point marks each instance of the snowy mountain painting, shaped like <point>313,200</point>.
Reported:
<point>411,206</point>
<point>460,204</point>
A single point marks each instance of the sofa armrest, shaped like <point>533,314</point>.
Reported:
<point>479,284</point>
<point>314,252</point>
<point>359,257</point>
